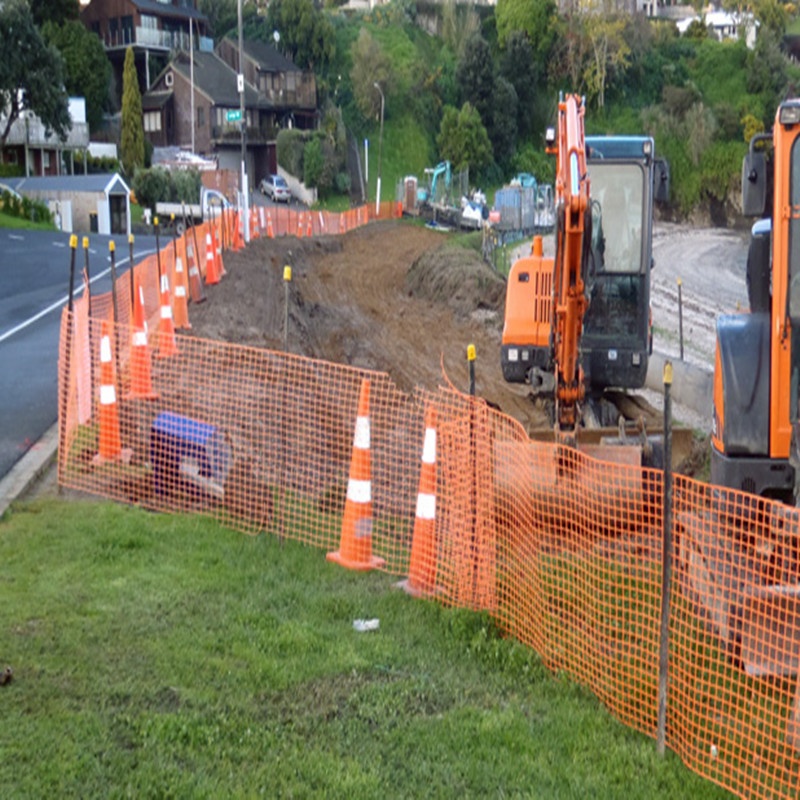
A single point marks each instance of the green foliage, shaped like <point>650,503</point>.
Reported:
<point>160,185</point>
<point>463,140</point>
<point>88,70</point>
<point>185,186</point>
<point>720,168</point>
<point>536,18</point>
<point>289,146</point>
<point>131,146</point>
<point>95,165</point>
<point>54,11</point>
<point>31,73</point>
<point>222,16</point>
<point>307,36</point>
<point>312,162</point>
<point>370,66</point>
<point>153,186</point>
<point>24,208</point>
<point>11,170</point>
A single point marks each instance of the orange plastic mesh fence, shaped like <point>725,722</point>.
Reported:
<point>563,550</point>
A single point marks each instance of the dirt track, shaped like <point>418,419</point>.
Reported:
<point>391,296</point>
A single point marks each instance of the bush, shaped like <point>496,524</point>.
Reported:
<point>289,147</point>
<point>92,165</point>
<point>25,208</point>
<point>313,163</point>
<point>152,186</point>
<point>186,186</point>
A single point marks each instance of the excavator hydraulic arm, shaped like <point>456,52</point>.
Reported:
<point>569,295</point>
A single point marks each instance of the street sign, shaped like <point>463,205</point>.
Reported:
<point>233,116</point>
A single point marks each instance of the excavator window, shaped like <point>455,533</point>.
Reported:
<point>619,190</point>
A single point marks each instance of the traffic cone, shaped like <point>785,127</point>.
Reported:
<point>141,383</point>
<point>196,290</point>
<point>166,327</point>
<point>310,228</point>
<point>254,223</point>
<point>262,222</point>
<point>212,274</point>
<point>109,443</point>
<point>270,231</point>
<point>239,234</point>
<point>181,295</point>
<point>421,579</point>
<point>217,240</point>
<point>355,549</point>
<point>299,226</point>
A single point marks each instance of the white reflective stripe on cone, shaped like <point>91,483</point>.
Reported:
<point>359,491</point>
<point>140,339</point>
<point>361,439</point>
<point>426,506</point>
<point>429,447</point>
<point>105,350</point>
<point>108,396</point>
<point>166,312</point>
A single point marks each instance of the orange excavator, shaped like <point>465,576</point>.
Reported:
<point>573,233</point>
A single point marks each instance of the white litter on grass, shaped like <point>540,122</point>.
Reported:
<point>363,625</point>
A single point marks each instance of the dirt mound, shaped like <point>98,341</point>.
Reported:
<point>391,296</point>
<point>458,278</point>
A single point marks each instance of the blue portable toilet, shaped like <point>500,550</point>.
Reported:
<point>186,451</point>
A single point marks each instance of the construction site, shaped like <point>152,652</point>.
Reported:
<point>353,382</point>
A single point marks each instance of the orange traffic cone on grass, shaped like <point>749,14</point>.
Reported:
<point>355,549</point>
<point>166,327</point>
<point>421,579</point>
<point>141,382</point>
<point>109,444</point>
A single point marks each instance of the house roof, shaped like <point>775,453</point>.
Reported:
<point>105,183</point>
<point>169,10</point>
<point>217,80</point>
<point>152,101</point>
<point>268,58</point>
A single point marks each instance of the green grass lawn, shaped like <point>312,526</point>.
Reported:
<point>165,656</point>
<point>7,221</point>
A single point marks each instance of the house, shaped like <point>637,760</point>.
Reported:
<point>153,28</point>
<point>725,25</point>
<point>291,91</point>
<point>195,103</point>
<point>41,152</point>
<point>82,203</point>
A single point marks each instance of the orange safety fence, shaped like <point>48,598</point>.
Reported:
<point>563,550</point>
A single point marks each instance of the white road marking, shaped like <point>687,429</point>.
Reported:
<point>59,303</point>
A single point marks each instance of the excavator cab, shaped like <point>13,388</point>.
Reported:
<point>755,433</point>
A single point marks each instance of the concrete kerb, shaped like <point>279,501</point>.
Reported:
<point>692,385</point>
<point>30,468</point>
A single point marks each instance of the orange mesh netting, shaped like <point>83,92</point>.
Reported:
<point>564,551</point>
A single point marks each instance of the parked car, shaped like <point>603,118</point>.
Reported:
<point>276,188</point>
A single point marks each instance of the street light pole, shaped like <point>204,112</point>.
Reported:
<point>380,154</point>
<point>243,124</point>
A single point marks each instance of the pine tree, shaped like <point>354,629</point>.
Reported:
<point>131,146</point>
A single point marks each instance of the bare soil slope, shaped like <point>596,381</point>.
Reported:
<point>391,296</point>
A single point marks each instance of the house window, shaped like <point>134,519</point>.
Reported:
<point>149,22</point>
<point>291,81</point>
<point>201,116</point>
<point>152,121</point>
<point>45,159</point>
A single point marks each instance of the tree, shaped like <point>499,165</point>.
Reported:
<point>504,121</point>
<point>475,77</point>
<point>55,11</point>
<point>537,18</point>
<point>609,52</point>
<point>131,145</point>
<point>370,66</point>
<point>463,140</point>
<point>31,73</point>
<point>88,70</point>
<point>222,15</point>
<point>519,69</point>
<point>459,25</point>
<point>306,34</point>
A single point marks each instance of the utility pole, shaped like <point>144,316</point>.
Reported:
<point>380,154</point>
<point>243,123</point>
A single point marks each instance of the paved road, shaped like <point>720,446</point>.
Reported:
<point>34,284</point>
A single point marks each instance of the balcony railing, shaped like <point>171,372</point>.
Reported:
<point>232,133</point>
<point>31,131</point>
<point>153,39</point>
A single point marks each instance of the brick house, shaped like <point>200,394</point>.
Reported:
<point>277,94</point>
<point>153,28</point>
